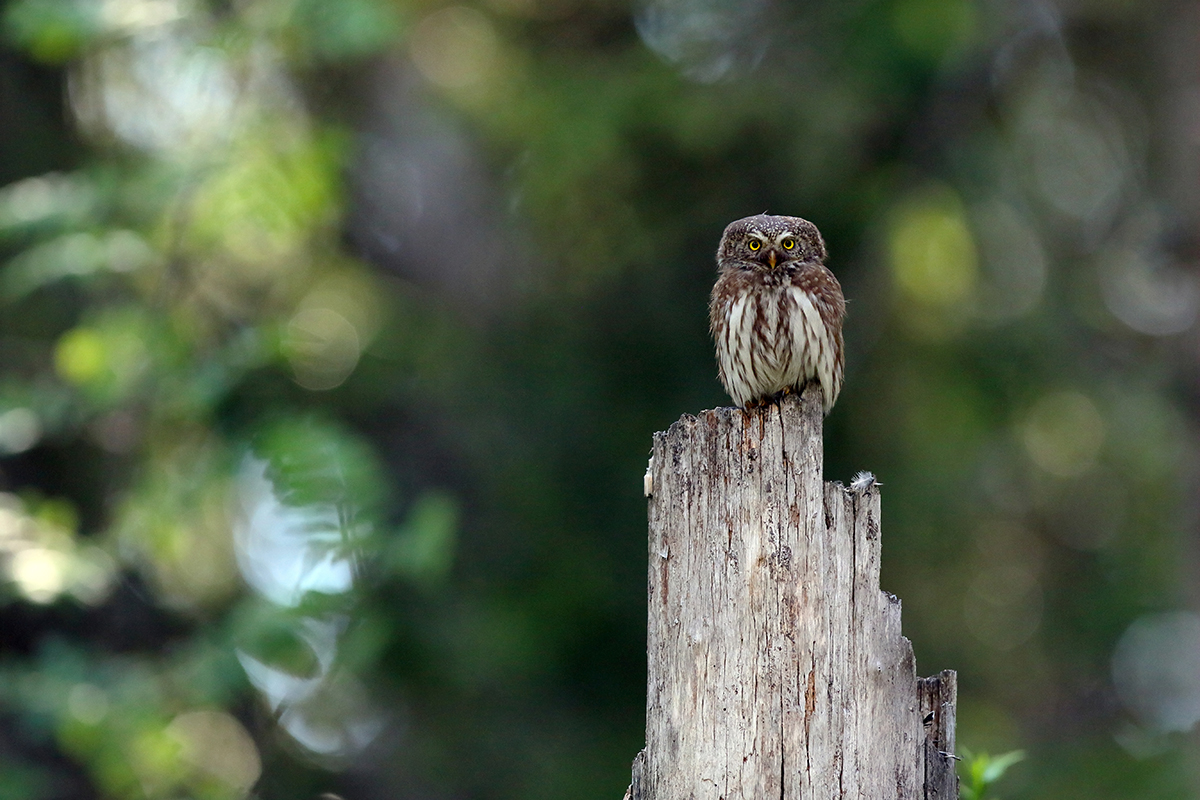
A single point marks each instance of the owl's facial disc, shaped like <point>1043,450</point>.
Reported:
<point>768,253</point>
<point>760,246</point>
<point>779,250</point>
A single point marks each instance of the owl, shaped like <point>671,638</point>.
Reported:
<point>776,311</point>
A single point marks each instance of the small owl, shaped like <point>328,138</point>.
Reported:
<point>776,311</point>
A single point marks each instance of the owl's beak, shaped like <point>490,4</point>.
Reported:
<point>771,257</point>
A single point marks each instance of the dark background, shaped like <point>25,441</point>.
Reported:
<point>334,334</point>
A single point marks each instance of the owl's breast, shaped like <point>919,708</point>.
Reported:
<point>752,333</point>
<point>770,336</point>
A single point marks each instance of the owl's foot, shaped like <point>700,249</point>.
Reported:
<point>763,402</point>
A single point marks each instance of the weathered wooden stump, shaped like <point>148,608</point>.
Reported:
<point>776,665</point>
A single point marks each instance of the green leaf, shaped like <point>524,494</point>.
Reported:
<point>53,200</point>
<point>1000,764</point>
<point>75,255</point>
<point>313,461</point>
<point>423,551</point>
<point>982,770</point>
<point>272,638</point>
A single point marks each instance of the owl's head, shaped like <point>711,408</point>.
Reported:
<point>768,242</point>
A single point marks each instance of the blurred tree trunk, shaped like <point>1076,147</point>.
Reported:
<point>776,665</point>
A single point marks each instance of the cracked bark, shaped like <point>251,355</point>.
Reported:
<point>776,665</point>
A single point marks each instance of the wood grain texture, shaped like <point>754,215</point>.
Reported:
<point>776,665</point>
<point>939,699</point>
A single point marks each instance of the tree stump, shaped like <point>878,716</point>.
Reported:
<point>776,665</point>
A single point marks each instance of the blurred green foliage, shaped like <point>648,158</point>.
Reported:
<point>981,771</point>
<point>334,334</point>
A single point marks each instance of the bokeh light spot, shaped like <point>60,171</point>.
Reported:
<point>708,40</point>
<point>39,573</point>
<point>13,523</point>
<point>455,47</point>
<point>92,575</point>
<point>1063,433</point>
<point>933,256</point>
<point>218,746</point>
<point>1156,670</point>
<point>1003,607</point>
<point>80,355</point>
<point>87,703</point>
<point>20,429</point>
<point>1148,294</point>
<point>354,294</point>
<point>28,200</point>
<point>158,92</point>
<point>1014,262</point>
<point>1078,152</point>
<point>323,348</point>
<point>135,14</point>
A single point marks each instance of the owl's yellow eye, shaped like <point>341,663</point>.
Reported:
<point>788,243</point>
<point>754,245</point>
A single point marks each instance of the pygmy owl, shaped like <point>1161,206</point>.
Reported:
<point>776,311</point>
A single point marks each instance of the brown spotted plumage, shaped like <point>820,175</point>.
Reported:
<point>776,311</point>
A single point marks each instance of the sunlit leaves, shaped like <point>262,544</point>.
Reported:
<point>108,359</point>
<point>176,521</point>
<point>20,429</point>
<point>43,557</point>
<point>45,200</point>
<point>305,504</point>
<point>208,255</point>
<point>289,551</point>
<point>228,261</point>
<point>142,728</point>
<point>180,318</point>
<point>316,462</point>
<point>81,355</point>
<point>265,202</point>
<point>276,640</point>
<point>164,93</point>
<point>324,709</point>
<point>78,255</point>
